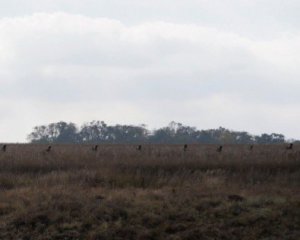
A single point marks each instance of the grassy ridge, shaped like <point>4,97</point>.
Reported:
<point>161,192</point>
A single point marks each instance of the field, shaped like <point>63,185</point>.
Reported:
<point>160,192</point>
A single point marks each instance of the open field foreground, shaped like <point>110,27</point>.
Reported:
<point>159,192</point>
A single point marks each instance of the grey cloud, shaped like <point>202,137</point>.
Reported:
<point>266,17</point>
<point>70,67</point>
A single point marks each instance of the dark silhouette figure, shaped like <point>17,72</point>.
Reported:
<point>139,148</point>
<point>48,149</point>
<point>290,147</point>
<point>236,198</point>
<point>99,197</point>
<point>185,147</point>
<point>251,147</point>
<point>95,148</point>
<point>220,148</point>
<point>4,148</point>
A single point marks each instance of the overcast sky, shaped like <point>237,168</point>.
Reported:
<point>204,63</point>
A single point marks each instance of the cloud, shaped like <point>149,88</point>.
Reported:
<point>62,66</point>
<point>255,18</point>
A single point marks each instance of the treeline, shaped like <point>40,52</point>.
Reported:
<point>100,132</point>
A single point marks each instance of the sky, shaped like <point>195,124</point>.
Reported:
<point>203,63</point>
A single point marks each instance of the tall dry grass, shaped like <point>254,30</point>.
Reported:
<point>160,192</point>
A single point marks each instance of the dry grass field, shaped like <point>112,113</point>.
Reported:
<point>160,192</point>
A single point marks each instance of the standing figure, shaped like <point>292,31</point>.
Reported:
<point>139,148</point>
<point>220,148</point>
<point>95,148</point>
<point>185,147</point>
<point>4,148</point>
<point>290,147</point>
<point>49,148</point>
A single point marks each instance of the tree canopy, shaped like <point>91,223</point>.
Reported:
<point>100,132</point>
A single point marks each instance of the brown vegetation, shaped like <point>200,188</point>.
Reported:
<point>161,192</point>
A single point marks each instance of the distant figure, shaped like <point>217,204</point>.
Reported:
<point>4,148</point>
<point>139,148</point>
<point>251,147</point>
<point>220,148</point>
<point>95,148</point>
<point>290,147</point>
<point>235,198</point>
<point>48,149</point>
<point>185,147</point>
